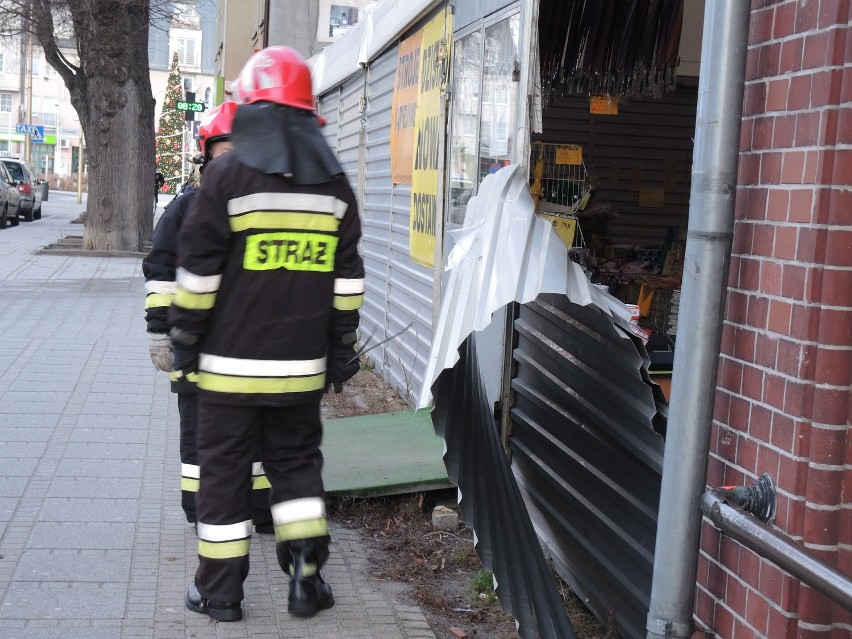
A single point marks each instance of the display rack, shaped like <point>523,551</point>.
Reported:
<point>560,180</point>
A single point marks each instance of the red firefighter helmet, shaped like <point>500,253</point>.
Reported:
<point>275,74</point>
<point>215,125</point>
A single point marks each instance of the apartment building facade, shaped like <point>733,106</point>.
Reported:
<point>27,80</point>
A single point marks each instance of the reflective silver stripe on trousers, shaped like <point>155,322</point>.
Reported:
<point>226,532</point>
<point>303,509</point>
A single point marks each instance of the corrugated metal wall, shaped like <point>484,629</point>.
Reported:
<point>329,108</point>
<point>647,146</point>
<point>404,288</point>
<point>587,450</point>
<point>350,130</point>
<point>378,200</point>
<point>399,292</point>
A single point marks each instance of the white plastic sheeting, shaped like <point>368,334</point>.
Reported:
<point>382,23</point>
<point>504,253</point>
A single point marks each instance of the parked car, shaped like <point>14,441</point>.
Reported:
<point>461,190</point>
<point>29,186</point>
<point>10,199</point>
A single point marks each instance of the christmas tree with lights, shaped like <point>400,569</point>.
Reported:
<point>169,139</point>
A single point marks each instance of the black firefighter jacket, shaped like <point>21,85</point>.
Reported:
<point>159,268</point>
<point>265,267</point>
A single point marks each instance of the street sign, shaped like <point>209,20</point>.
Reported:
<point>194,107</point>
<point>36,132</point>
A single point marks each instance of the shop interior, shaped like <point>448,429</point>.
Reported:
<point>611,163</point>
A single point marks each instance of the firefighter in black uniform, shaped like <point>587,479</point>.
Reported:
<point>269,286</point>
<point>159,269</point>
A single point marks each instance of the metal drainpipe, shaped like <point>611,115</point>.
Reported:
<point>708,247</point>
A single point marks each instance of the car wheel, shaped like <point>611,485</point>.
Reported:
<point>14,221</point>
<point>4,217</point>
<point>37,214</point>
<point>28,215</point>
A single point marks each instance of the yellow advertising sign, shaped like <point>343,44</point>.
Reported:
<point>404,108</point>
<point>569,154</point>
<point>565,227</point>
<point>428,135</point>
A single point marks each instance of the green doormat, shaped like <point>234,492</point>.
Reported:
<point>383,454</point>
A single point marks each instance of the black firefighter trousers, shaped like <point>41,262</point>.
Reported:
<point>229,437</point>
<point>188,410</point>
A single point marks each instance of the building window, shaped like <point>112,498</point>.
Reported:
<point>5,102</point>
<point>501,95</point>
<point>484,109</point>
<point>469,125</point>
<point>187,50</point>
<point>467,64</point>
<point>499,61</point>
<point>501,131</point>
<point>186,16</point>
<point>2,62</point>
<point>36,65</point>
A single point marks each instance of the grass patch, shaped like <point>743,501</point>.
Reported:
<point>482,586</point>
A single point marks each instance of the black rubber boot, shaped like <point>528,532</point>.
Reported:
<point>214,609</point>
<point>308,592</point>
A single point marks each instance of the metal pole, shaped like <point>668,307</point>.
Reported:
<point>767,543</point>
<point>27,136</point>
<point>80,169</point>
<point>711,222</point>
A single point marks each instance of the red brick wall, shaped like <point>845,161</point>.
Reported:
<point>785,375</point>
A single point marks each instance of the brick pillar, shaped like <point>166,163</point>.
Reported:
<point>785,376</point>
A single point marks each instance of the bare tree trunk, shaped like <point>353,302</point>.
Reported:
<point>119,215</point>
<point>110,89</point>
<point>120,136</point>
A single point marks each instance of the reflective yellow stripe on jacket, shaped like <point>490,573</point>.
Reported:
<point>196,292</point>
<point>159,294</point>
<point>348,294</point>
<point>236,375</point>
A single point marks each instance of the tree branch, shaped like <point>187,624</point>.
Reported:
<point>43,27</point>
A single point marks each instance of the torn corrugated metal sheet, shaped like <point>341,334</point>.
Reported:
<point>587,445</point>
<point>587,451</point>
<point>504,253</point>
<point>499,257</point>
<point>492,504</point>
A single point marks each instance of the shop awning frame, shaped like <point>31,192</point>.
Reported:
<point>383,23</point>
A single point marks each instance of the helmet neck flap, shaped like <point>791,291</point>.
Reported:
<point>285,141</point>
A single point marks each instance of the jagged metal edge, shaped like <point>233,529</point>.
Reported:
<point>491,502</point>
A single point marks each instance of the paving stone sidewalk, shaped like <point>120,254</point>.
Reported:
<point>93,544</point>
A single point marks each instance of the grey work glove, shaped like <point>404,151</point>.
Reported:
<point>160,348</point>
